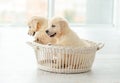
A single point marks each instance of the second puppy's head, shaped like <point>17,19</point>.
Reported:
<point>36,23</point>
<point>58,26</point>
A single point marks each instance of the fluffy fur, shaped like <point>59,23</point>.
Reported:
<point>59,29</point>
<point>37,26</point>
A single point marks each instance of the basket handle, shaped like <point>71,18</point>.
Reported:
<point>100,46</point>
<point>32,44</point>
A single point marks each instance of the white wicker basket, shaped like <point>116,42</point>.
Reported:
<point>65,60</point>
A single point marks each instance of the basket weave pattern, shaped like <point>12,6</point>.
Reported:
<point>65,60</point>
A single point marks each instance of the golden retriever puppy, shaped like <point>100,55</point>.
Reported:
<point>59,29</point>
<point>37,26</point>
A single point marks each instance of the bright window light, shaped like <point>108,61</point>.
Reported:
<point>73,10</point>
<point>77,12</point>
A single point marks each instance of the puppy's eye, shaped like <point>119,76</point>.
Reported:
<point>29,26</point>
<point>53,25</point>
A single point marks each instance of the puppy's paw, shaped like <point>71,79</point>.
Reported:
<point>49,44</point>
<point>36,40</point>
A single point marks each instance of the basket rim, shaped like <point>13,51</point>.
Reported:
<point>96,46</point>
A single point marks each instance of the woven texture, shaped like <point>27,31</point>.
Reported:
<point>65,59</point>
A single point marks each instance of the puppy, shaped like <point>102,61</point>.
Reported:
<point>60,30</point>
<point>37,26</point>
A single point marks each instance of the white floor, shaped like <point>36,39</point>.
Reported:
<point>18,64</point>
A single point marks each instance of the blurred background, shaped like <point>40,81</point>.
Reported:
<point>77,12</point>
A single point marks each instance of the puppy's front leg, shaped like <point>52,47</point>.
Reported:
<point>49,44</point>
<point>38,41</point>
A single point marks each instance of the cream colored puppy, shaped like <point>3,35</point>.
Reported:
<point>37,26</point>
<point>59,29</point>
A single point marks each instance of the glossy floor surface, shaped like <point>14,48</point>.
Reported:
<point>18,63</point>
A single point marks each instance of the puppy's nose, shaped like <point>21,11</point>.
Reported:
<point>46,31</point>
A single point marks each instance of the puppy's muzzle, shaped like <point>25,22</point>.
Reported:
<point>50,34</point>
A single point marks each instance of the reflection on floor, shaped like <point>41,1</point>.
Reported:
<point>18,64</point>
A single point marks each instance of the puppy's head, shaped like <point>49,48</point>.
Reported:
<point>36,23</point>
<point>57,27</point>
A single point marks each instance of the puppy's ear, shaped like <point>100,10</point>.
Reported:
<point>37,24</point>
<point>40,22</point>
<point>63,24</point>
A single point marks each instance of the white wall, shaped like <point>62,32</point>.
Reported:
<point>100,11</point>
<point>117,13</point>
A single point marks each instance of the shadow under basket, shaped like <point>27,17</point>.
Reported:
<point>65,59</point>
